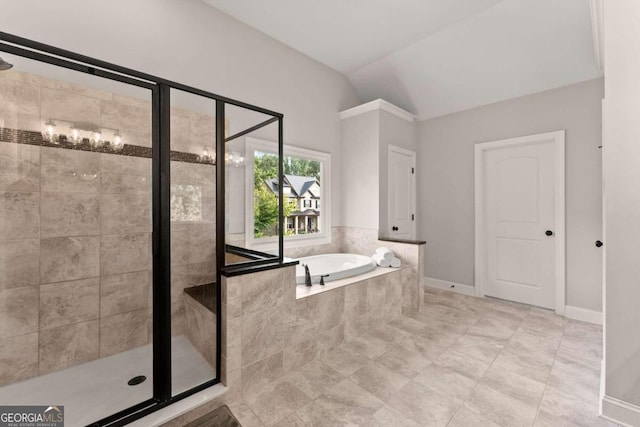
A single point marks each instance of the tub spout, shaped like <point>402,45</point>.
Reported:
<point>307,275</point>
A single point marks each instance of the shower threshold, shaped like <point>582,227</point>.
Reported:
<point>97,389</point>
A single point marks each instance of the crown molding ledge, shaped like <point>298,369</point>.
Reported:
<point>378,104</point>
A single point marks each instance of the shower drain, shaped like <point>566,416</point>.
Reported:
<point>137,380</point>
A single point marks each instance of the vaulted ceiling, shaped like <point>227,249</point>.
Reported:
<point>434,57</point>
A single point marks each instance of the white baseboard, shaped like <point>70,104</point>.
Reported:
<point>601,394</point>
<point>431,282</point>
<point>620,412</point>
<point>583,314</point>
<point>571,312</point>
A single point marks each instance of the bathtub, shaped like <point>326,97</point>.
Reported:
<point>337,266</point>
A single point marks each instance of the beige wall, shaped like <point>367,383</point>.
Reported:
<point>192,43</point>
<point>622,208</point>
<point>446,181</point>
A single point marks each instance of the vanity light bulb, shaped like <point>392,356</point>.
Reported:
<point>50,131</point>
<point>234,158</point>
<point>75,135</point>
<point>117,141</point>
<point>96,138</point>
<point>207,156</point>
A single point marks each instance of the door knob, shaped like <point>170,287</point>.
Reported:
<point>394,228</point>
<point>599,243</point>
<point>549,233</point>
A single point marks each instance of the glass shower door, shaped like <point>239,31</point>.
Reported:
<point>193,240</point>
<point>75,241</point>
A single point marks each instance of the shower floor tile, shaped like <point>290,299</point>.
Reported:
<point>97,389</point>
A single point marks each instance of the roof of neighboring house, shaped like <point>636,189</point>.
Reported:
<point>300,185</point>
<point>272,184</point>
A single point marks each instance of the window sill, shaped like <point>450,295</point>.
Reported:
<point>289,242</point>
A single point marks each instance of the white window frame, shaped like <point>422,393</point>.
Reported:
<point>270,243</point>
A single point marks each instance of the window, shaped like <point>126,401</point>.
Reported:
<point>306,182</point>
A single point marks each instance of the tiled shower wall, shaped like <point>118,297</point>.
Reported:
<point>193,243</point>
<point>75,257</point>
<point>75,229</point>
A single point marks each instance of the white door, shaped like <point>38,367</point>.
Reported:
<point>402,193</point>
<point>521,224</point>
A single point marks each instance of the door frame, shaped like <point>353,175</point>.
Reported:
<point>394,148</point>
<point>558,138</point>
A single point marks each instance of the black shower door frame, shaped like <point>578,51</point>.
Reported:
<point>161,208</point>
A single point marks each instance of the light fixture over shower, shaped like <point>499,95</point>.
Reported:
<point>4,65</point>
<point>232,158</point>
<point>208,155</point>
<point>55,130</point>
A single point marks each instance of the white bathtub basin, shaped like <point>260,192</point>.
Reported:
<point>337,266</point>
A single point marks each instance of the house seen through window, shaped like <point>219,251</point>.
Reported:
<point>302,192</point>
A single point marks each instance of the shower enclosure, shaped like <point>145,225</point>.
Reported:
<point>114,231</point>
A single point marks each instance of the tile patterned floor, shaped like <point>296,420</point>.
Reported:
<point>462,361</point>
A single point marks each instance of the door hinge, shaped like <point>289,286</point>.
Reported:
<point>413,170</point>
<point>413,217</point>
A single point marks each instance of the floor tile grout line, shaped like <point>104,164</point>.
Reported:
<point>546,384</point>
<point>474,385</point>
<point>488,367</point>
<point>256,415</point>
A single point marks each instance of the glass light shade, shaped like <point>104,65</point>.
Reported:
<point>117,143</point>
<point>235,158</point>
<point>207,155</point>
<point>96,138</point>
<point>49,131</point>
<point>74,135</point>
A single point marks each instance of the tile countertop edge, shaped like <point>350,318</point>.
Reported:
<point>407,241</point>
<point>303,291</point>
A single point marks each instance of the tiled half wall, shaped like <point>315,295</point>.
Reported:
<point>267,332</point>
